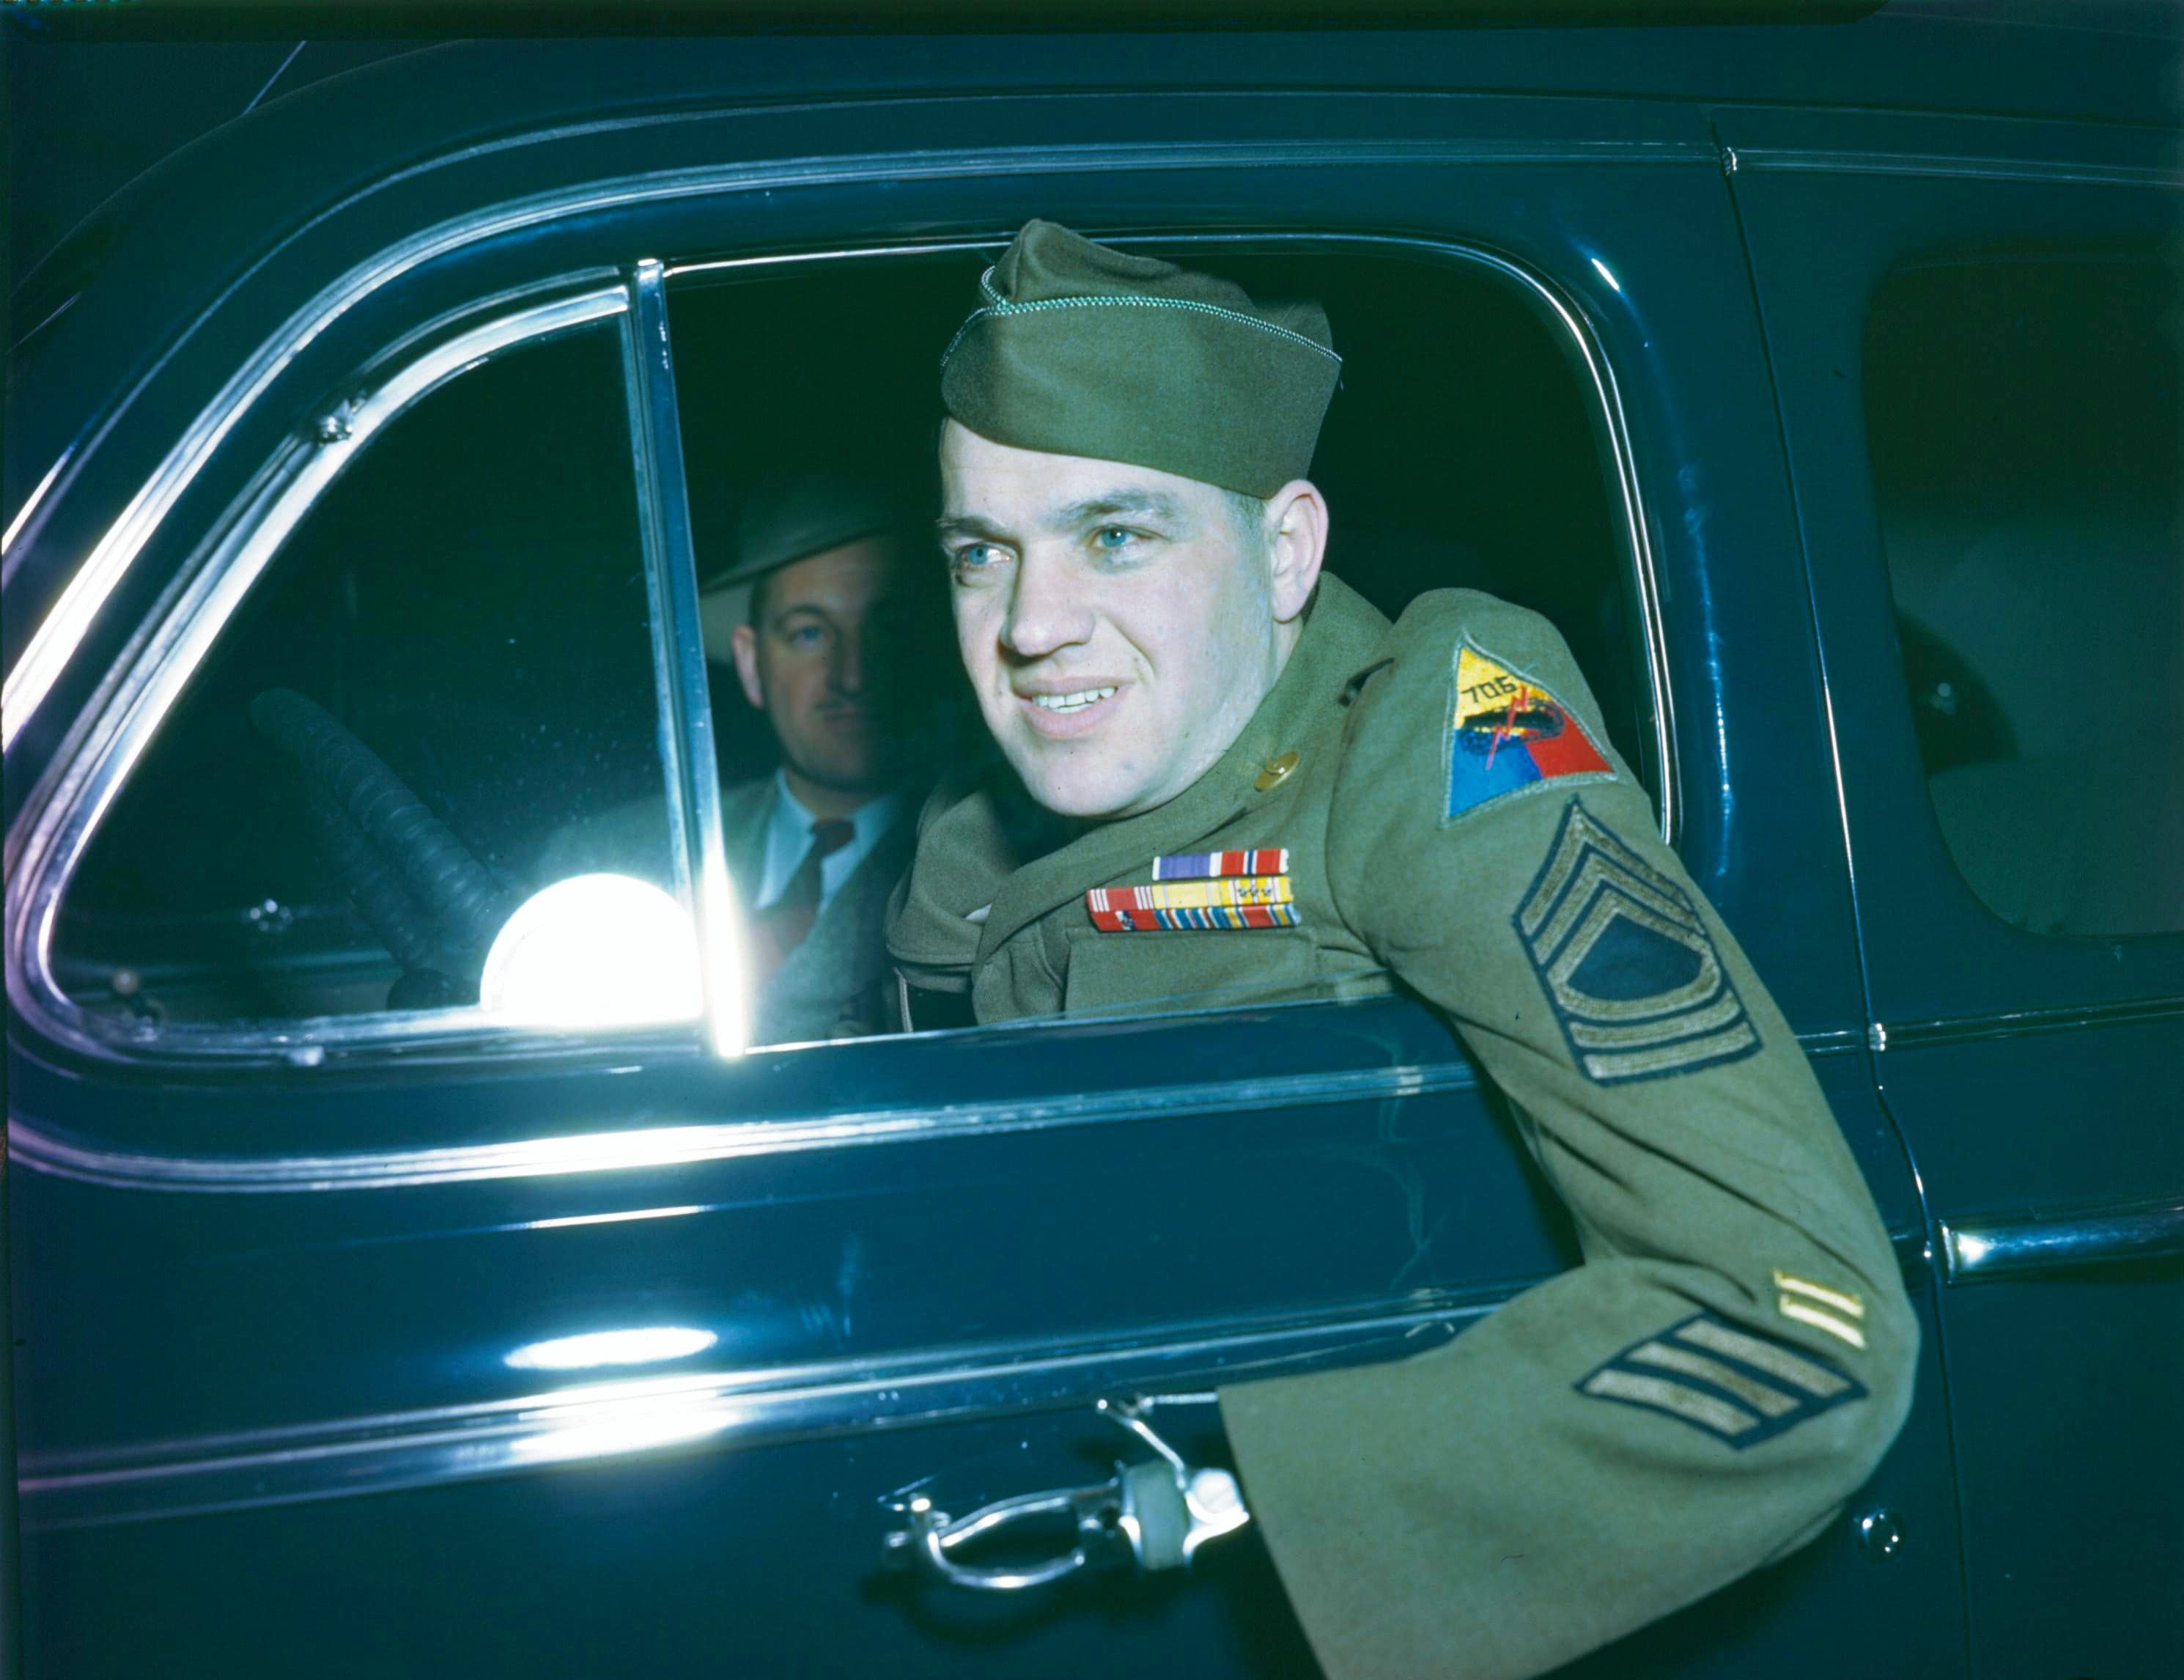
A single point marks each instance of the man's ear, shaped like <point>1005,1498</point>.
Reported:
<point>1296,532</point>
<point>743,643</point>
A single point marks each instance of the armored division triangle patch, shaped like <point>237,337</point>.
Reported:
<point>1506,732</point>
<point>1627,963</point>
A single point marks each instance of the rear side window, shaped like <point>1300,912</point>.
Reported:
<point>2028,462</point>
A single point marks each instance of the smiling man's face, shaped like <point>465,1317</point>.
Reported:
<point>1119,624</point>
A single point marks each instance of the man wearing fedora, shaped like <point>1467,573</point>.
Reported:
<point>817,614</point>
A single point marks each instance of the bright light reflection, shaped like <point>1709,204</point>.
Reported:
<point>613,1218</point>
<point>30,502</point>
<point>595,951</point>
<point>1606,275</point>
<point>612,1347</point>
<point>630,1428</point>
<point>1970,1250</point>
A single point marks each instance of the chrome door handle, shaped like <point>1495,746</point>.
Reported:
<point>1150,1515</point>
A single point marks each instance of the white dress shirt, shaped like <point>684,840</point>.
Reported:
<point>788,837</point>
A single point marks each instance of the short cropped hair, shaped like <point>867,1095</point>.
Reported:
<point>1250,513</point>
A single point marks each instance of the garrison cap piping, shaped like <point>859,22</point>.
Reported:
<point>1001,305</point>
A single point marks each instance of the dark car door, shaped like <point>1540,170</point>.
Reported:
<point>625,1359</point>
<point>1975,326</point>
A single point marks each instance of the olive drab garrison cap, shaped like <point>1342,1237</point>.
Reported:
<point>1079,350</point>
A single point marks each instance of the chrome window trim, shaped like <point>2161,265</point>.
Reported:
<point>684,704</point>
<point>34,1149</point>
<point>1984,1251</point>
<point>29,506</point>
<point>66,810</point>
<point>718,1411</point>
<point>2055,171</point>
<point>612,1150</point>
<point>63,630</point>
<point>307,1043</point>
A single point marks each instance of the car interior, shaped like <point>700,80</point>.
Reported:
<point>467,604</point>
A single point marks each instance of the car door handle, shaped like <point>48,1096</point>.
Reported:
<point>1150,1515</point>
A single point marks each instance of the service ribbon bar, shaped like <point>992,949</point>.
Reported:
<point>1206,866</point>
<point>1193,894</point>
<point>1209,918</point>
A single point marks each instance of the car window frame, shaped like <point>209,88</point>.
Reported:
<point>73,796</point>
<point>228,562</point>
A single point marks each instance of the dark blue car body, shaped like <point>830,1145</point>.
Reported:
<point>264,1422</point>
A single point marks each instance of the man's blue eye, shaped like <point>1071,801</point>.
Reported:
<point>1112,536</point>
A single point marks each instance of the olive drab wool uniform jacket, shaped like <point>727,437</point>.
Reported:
<point>1736,1351</point>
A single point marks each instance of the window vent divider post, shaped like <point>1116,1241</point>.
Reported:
<point>686,714</point>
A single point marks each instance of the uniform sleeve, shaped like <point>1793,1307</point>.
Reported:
<point>1734,1354</point>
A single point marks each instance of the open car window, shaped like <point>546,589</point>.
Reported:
<point>443,699</point>
<point>1468,446</point>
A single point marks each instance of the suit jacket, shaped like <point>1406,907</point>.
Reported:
<point>837,983</point>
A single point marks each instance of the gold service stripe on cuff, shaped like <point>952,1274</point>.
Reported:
<point>1836,1299</point>
<point>1819,1320</point>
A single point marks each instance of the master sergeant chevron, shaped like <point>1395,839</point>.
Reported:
<point>1136,552</point>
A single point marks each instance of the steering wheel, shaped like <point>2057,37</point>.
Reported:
<point>434,905</point>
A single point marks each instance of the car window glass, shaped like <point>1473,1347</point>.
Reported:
<point>1464,449</point>
<point>2024,421</point>
<point>448,663</point>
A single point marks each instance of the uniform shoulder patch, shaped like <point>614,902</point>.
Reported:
<point>1506,733</point>
<point>1739,1388</point>
<point>1626,961</point>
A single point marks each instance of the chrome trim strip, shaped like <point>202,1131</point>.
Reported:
<point>1642,551</point>
<point>60,823</point>
<point>2146,1231</point>
<point>39,1151</point>
<point>57,637</point>
<point>1895,1035</point>
<point>733,1410</point>
<point>36,1150</point>
<point>30,505</point>
<point>1966,168</point>
<point>685,708</point>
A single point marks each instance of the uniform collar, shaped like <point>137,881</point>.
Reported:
<point>1341,631</point>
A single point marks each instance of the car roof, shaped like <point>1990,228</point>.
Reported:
<point>208,212</point>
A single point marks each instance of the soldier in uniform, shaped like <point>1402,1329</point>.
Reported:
<point>811,613</point>
<point>1227,777</point>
